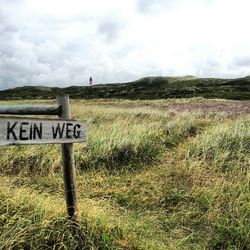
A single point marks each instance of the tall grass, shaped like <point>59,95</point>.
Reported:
<point>190,189</point>
<point>225,146</point>
<point>115,140</point>
<point>110,146</point>
<point>29,220</point>
<point>27,160</point>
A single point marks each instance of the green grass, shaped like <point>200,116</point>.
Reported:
<point>30,220</point>
<point>148,177</point>
<point>225,145</point>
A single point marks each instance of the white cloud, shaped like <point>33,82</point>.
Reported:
<point>63,42</point>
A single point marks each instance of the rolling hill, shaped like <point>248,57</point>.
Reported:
<point>144,88</point>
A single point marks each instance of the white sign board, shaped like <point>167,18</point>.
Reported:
<point>15,131</point>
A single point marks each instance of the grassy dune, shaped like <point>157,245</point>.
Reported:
<point>146,88</point>
<point>149,177</point>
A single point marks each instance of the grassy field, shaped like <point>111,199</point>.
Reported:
<point>163,174</point>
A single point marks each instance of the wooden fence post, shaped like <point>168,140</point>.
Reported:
<point>68,165</point>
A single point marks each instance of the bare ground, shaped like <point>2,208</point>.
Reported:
<point>212,106</point>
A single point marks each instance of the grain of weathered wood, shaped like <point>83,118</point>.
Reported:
<point>68,165</point>
<point>18,131</point>
<point>31,110</point>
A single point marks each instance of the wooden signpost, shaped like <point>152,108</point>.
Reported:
<point>23,131</point>
<point>15,131</point>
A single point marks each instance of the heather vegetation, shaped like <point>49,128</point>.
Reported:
<point>162,174</point>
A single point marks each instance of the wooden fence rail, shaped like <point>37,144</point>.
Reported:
<point>31,110</point>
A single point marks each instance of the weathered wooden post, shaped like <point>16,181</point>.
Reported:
<point>68,164</point>
<point>27,130</point>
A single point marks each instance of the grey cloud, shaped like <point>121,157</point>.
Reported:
<point>32,52</point>
<point>149,6</point>
<point>243,61</point>
<point>157,6</point>
<point>207,67</point>
<point>110,29</point>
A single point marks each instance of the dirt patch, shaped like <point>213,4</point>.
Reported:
<point>235,107</point>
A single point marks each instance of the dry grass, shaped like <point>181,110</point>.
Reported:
<point>148,178</point>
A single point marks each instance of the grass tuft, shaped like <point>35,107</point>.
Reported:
<point>225,146</point>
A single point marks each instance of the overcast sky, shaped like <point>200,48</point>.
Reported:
<point>64,42</point>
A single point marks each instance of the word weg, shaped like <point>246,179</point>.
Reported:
<point>32,130</point>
